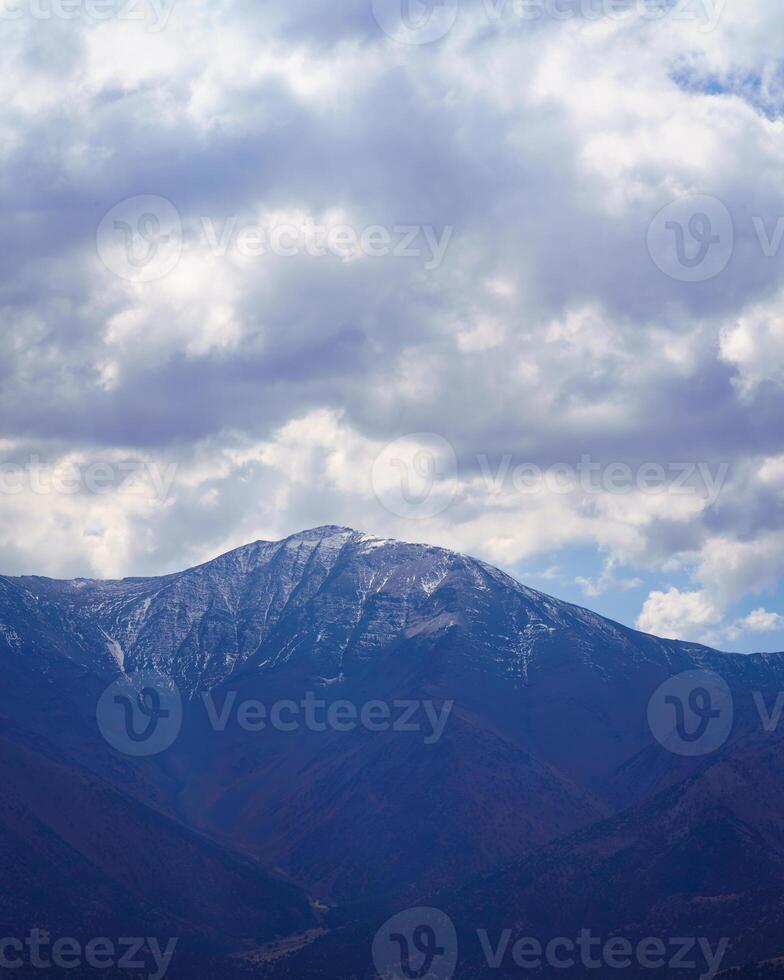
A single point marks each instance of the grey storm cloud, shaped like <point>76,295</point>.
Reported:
<point>538,153</point>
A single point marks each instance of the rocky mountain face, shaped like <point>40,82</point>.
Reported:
<point>509,765</point>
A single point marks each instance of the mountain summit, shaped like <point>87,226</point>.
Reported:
<point>543,727</point>
<point>329,599</point>
<point>333,605</point>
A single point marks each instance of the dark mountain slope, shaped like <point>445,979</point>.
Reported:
<point>80,859</point>
<point>545,736</point>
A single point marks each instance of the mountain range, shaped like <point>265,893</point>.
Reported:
<point>364,726</point>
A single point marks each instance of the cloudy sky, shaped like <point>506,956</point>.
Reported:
<point>500,275</point>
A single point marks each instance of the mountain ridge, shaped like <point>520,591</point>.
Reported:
<point>241,560</point>
<point>547,734</point>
